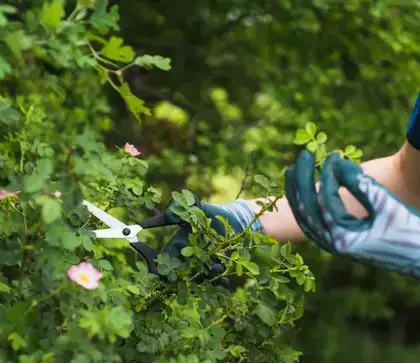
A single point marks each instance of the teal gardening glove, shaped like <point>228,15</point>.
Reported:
<point>389,237</point>
<point>238,214</point>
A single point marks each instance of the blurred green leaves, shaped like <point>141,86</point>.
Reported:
<point>148,61</point>
<point>315,142</point>
<point>115,50</point>
<point>52,13</point>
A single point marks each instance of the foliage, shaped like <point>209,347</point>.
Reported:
<point>350,67</point>
<point>228,85</point>
<point>52,112</point>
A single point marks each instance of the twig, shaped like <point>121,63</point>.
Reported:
<point>247,170</point>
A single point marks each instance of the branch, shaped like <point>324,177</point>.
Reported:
<point>247,170</point>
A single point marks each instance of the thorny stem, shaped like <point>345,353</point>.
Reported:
<point>247,171</point>
<point>97,56</point>
<point>258,215</point>
<point>162,293</point>
<point>218,321</point>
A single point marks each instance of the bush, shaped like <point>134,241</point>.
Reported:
<point>54,65</point>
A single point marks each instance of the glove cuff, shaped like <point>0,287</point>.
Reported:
<point>244,213</point>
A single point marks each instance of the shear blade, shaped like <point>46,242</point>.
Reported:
<point>127,232</point>
<point>106,218</point>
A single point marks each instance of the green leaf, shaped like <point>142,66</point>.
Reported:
<point>251,266</point>
<point>142,268</point>
<point>282,279</point>
<point>148,344</point>
<point>105,265</point>
<point>33,183</point>
<point>310,128</point>
<point>262,180</point>
<point>17,341</point>
<point>300,279</point>
<point>350,149</point>
<point>179,210</point>
<point>137,189</point>
<point>237,350</point>
<point>48,358</point>
<point>153,60</point>
<point>291,259</point>
<point>6,9</point>
<point>188,197</point>
<point>103,20</point>
<point>167,265</point>
<point>312,146</point>
<point>8,115</point>
<point>52,13</point>
<point>133,289</point>
<point>309,284</point>
<point>239,269</point>
<point>87,243</point>
<point>70,241</point>
<point>122,321</point>
<point>135,104</point>
<point>301,137</point>
<point>45,167</point>
<point>115,50</point>
<point>180,199</point>
<point>188,251</point>
<point>356,154</point>
<point>5,68</point>
<point>286,249</point>
<point>4,287</point>
<point>320,154</point>
<point>266,314</point>
<point>51,210</point>
<point>321,138</point>
<point>17,42</point>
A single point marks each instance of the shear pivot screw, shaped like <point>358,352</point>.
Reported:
<point>126,231</point>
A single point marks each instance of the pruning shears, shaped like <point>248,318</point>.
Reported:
<point>118,229</point>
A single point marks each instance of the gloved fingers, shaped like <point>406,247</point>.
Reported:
<point>304,210</point>
<point>215,270</point>
<point>305,184</point>
<point>366,190</point>
<point>178,241</point>
<point>330,200</point>
<point>293,199</point>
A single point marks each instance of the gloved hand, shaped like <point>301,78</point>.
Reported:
<point>238,214</point>
<point>389,237</point>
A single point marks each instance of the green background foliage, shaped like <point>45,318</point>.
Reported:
<point>211,94</point>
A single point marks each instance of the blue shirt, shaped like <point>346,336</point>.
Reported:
<point>413,131</point>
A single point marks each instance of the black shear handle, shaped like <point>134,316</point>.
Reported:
<point>157,221</point>
<point>147,252</point>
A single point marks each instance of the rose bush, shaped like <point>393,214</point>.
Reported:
<point>65,297</point>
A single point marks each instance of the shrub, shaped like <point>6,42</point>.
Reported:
<point>54,64</point>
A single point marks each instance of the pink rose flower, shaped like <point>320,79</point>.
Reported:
<point>85,275</point>
<point>5,193</point>
<point>131,149</point>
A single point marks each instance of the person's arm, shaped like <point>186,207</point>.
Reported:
<point>399,173</point>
